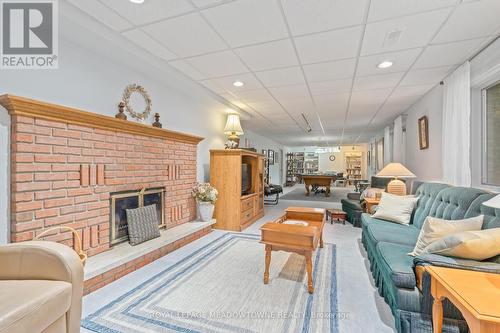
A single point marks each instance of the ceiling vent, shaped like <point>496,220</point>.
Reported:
<point>392,37</point>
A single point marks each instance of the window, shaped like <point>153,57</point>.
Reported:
<point>491,139</point>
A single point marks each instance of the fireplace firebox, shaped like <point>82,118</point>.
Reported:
<point>121,201</point>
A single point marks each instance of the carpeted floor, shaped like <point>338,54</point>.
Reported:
<point>336,194</point>
<point>195,295</point>
<point>360,308</point>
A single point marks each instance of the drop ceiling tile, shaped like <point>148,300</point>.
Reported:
<point>215,88</point>
<point>408,95</point>
<point>336,103</point>
<point>368,99</point>
<point>304,17</point>
<point>402,33</point>
<point>332,99</point>
<point>471,20</point>
<point>249,80</point>
<point>247,22</point>
<point>377,81</point>
<point>281,77</point>
<point>297,91</point>
<point>149,44</point>
<point>448,54</point>
<point>426,76</point>
<point>266,106</point>
<point>209,3</point>
<point>384,9</point>
<point>218,64</point>
<point>297,106</point>
<point>254,96</point>
<point>103,14</point>
<point>150,10</point>
<point>268,55</point>
<point>330,87</point>
<point>187,69</point>
<point>359,121</point>
<point>402,60</point>
<point>330,45</point>
<point>196,38</point>
<point>328,71</point>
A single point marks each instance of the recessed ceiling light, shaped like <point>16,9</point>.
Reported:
<point>385,64</point>
<point>137,1</point>
<point>238,84</point>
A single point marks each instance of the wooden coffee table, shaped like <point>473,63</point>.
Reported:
<point>300,239</point>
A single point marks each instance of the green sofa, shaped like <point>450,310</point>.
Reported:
<point>388,244</point>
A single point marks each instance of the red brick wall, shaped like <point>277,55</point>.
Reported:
<point>57,178</point>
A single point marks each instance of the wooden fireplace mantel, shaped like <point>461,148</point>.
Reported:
<point>28,107</point>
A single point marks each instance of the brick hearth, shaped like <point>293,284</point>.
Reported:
<point>66,162</point>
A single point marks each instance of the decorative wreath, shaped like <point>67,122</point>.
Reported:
<point>135,88</point>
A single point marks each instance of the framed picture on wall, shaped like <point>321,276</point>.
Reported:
<point>270,156</point>
<point>423,132</point>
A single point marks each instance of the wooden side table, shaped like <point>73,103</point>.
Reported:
<point>475,294</point>
<point>369,203</point>
<point>303,240</point>
<point>337,214</point>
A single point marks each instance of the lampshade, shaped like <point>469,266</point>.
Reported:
<point>233,126</point>
<point>493,202</point>
<point>396,170</point>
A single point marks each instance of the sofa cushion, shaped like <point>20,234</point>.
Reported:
<point>426,194</point>
<point>491,215</point>
<point>396,264</point>
<point>452,203</point>
<point>383,231</point>
<point>32,305</point>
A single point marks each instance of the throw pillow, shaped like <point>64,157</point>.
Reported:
<point>476,245</point>
<point>435,229</point>
<point>371,192</point>
<point>142,224</point>
<point>396,208</point>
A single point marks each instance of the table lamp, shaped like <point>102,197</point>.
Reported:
<point>493,202</point>
<point>396,170</point>
<point>233,128</point>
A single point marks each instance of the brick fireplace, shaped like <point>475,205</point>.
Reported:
<point>65,163</point>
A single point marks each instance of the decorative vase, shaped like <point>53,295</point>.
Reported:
<point>206,210</point>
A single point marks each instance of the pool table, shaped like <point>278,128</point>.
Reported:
<point>318,180</point>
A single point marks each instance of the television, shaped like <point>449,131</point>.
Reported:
<point>246,178</point>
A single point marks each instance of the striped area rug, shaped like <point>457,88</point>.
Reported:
<point>219,288</point>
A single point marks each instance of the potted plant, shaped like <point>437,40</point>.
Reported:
<point>205,195</point>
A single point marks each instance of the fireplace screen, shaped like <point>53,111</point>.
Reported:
<point>129,200</point>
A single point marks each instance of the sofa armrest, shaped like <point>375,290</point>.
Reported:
<point>354,196</point>
<point>442,261</point>
<point>43,260</point>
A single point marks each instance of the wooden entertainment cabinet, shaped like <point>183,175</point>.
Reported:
<point>235,210</point>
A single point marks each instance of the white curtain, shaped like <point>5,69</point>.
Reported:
<point>397,148</point>
<point>456,127</point>
<point>387,146</point>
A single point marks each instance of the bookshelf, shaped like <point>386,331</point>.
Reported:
<point>311,163</point>
<point>294,168</point>
<point>353,166</point>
